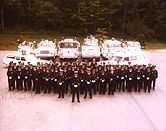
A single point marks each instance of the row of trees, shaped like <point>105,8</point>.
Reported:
<point>136,18</point>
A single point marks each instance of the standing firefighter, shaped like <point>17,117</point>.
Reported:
<point>154,76</point>
<point>11,81</point>
<point>122,80</point>
<point>130,77</point>
<point>55,83</point>
<point>88,85</point>
<point>61,88</point>
<point>76,87</point>
<point>148,81</point>
<point>35,80</point>
<point>30,80</point>
<point>111,84</point>
<point>19,79</point>
<point>82,83</point>
<point>139,80</point>
<point>47,88</point>
<point>94,77</point>
<point>26,73</point>
<point>103,83</point>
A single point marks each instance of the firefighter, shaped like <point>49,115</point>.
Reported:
<point>102,83</point>
<point>61,85</point>
<point>11,81</point>
<point>25,73</point>
<point>154,76</point>
<point>88,86</point>
<point>19,78</point>
<point>111,85</point>
<point>76,87</point>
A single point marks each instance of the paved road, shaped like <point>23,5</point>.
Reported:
<point>21,111</point>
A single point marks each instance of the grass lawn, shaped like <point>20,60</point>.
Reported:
<point>8,41</point>
<point>155,45</point>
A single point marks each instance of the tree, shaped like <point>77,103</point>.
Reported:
<point>129,18</point>
<point>2,6</point>
<point>162,20</point>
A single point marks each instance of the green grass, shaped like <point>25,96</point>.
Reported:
<point>155,45</point>
<point>8,40</point>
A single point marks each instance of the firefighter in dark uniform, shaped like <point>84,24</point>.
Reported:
<point>51,80</point>
<point>88,86</point>
<point>130,79</point>
<point>43,77</point>
<point>135,70</point>
<point>82,81</point>
<point>148,81</point>
<point>94,78</point>
<point>15,75</point>
<point>30,80</point>
<point>143,72</point>
<point>65,78</point>
<point>55,82</point>
<point>107,72</point>
<point>139,80</point>
<point>122,80</point>
<point>126,76</point>
<point>154,76</point>
<point>19,79</point>
<point>47,81</point>
<point>103,83</point>
<point>70,75</point>
<point>75,87</point>
<point>35,77</point>
<point>98,72</point>
<point>61,85</point>
<point>23,77</point>
<point>117,78</point>
<point>11,81</point>
<point>39,74</point>
<point>26,77</point>
<point>144,79</point>
<point>111,85</point>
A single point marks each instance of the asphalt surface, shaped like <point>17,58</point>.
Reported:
<point>20,111</point>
